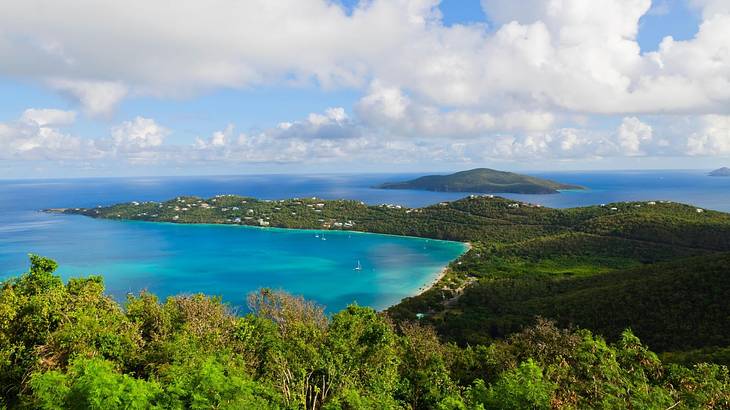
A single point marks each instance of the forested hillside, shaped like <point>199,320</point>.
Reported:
<point>659,268</point>
<point>482,180</point>
<point>68,345</point>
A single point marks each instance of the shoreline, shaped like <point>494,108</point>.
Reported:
<point>265,228</point>
<point>428,286</point>
<point>417,292</point>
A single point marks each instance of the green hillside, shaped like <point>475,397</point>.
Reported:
<point>68,345</point>
<point>679,305</point>
<point>482,180</point>
<point>570,265</point>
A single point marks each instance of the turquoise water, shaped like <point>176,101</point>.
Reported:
<point>232,261</point>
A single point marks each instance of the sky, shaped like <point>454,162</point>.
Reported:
<point>192,87</point>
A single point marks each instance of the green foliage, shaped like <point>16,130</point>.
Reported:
<point>671,305</point>
<point>524,387</point>
<point>425,380</point>
<point>71,346</point>
<point>214,382</point>
<point>703,386</point>
<point>482,180</point>
<point>655,265</point>
<point>91,384</point>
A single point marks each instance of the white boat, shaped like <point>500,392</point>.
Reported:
<point>358,267</point>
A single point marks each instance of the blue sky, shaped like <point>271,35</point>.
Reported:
<point>314,104</point>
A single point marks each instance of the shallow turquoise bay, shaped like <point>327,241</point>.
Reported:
<point>232,261</point>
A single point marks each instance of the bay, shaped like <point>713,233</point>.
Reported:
<point>231,261</point>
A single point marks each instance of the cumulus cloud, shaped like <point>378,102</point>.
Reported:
<point>34,137</point>
<point>138,134</point>
<point>333,136</point>
<point>527,86</point>
<point>360,142</point>
<point>713,138</point>
<point>541,55</point>
<point>320,136</point>
<point>389,108</point>
<point>711,7</point>
<point>217,140</point>
<point>46,116</point>
<point>98,98</point>
<point>632,134</point>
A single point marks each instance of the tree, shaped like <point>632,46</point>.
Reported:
<point>524,387</point>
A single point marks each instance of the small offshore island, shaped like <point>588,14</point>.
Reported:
<point>720,172</point>
<point>483,180</point>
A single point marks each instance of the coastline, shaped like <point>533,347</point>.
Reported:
<point>430,279</point>
<point>428,286</point>
<point>265,228</point>
<point>421,290</point>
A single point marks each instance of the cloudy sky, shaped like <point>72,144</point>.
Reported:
<point>172,87</point>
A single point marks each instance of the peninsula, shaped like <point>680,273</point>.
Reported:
<point>482,180</point>
<point>721,172</point>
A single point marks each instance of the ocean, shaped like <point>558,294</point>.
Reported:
<point>232,261</point>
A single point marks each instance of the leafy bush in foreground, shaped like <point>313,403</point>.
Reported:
<point>71,346</point>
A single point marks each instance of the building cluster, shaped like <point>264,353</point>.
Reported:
<point>337,224</point>
<point>391,206</point>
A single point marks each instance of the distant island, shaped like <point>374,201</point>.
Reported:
<point>482,180</point>
<point>721,172</point>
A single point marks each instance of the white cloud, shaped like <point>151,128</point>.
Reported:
<point>138,134</point>
<point>529,121</point>
<point>335,137</point>
<point>505,11</point>
<point>713,139</point>
<point>530,87</point>
<point>33,137</point>
<point>711,7</point>
<point>390,109</point>
<point>383,104</point>
<point>98,98</point>
<point>47,116</point>
<point>632,134</point>
<point>360,142</point>
<point>659,8</point>
<point>543,55</point>
<point>36,136</point>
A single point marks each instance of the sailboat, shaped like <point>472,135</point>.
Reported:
<point>358,267</point>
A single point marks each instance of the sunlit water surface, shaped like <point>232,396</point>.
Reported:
<point>230,261</point>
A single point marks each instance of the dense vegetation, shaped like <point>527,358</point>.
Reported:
<point>68,345</point>
<point>482,180</point>
<point>671,306</point>
<point>659,268</point>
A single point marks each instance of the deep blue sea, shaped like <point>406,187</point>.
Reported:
<point>230,261</point>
